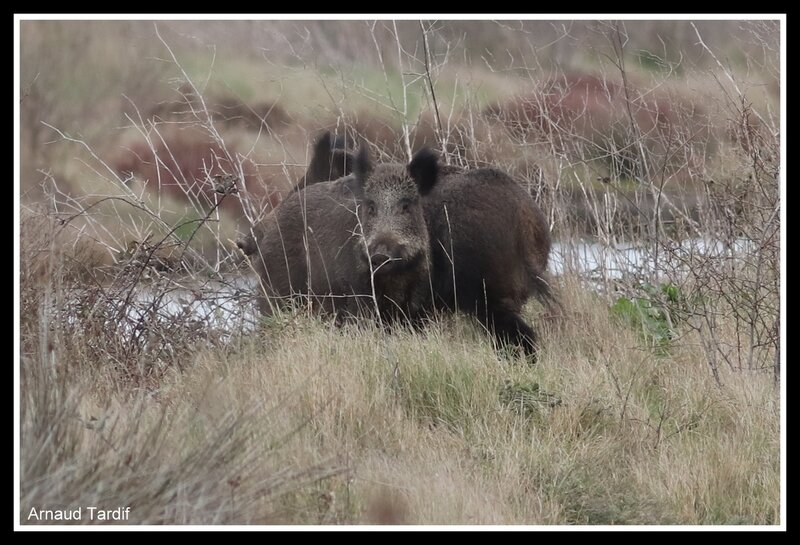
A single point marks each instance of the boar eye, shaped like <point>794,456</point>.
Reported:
<point>405,206</point>
<point>370,208</point>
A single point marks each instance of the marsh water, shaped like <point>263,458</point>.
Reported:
<point>229,307</point>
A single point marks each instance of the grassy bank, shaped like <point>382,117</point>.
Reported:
<point>303,422</point>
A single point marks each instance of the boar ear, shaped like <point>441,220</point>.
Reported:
<point>320,165</point>
<point>362,165</point>
<point>342,162</point>
<point>339,142</point>
<point>424,168</point>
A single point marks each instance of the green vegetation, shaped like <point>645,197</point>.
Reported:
<point>651,315</point>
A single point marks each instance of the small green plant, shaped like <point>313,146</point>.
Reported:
<point>652,314</point>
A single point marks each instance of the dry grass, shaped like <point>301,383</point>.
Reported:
<point>306,423</point>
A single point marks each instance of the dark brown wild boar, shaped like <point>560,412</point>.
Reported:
<point>438,237</point>
<point>490,246</point>
<point>339,243</point>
